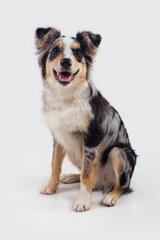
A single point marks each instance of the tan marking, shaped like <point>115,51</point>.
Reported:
<point>84,126</point>
<point>50,65</point>
<point>81,76</point>
<point>112,197</point>
<point>116,193</point>
<point>76,64</point>
<point>89,182</point>
<point>115,157</point>
<point>55,62</point>
<point>57,159</point>
<point>85,123</point>
<point>59,44</point>
<point>75,45</point>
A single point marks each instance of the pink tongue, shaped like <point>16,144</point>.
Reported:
<point>65,76</point>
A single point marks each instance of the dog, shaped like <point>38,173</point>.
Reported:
<point>85,127</point>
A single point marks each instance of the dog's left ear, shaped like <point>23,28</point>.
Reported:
<point>89,42</point>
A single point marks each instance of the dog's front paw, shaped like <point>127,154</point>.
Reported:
<point>82,205</point>
<point>47,189</point>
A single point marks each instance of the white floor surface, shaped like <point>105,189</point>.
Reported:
<point>26,214</point>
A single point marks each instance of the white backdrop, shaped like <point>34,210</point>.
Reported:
<point>127,72</point>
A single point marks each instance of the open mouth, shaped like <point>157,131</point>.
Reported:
<point>65,77</point>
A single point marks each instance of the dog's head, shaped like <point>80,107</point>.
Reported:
<point>66,60</point>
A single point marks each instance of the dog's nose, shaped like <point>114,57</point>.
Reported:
<point>66,63</point>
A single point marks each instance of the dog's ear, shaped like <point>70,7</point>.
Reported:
<point>89,42</point>
<point>45,37</point>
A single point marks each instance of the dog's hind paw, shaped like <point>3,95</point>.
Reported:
<point>109,201</point>
<point>82,205</point>
<point>112,197</point>
<point>70,178</point>
<point>65,178</point>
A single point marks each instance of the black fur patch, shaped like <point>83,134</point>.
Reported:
<point>40,32</point>
<point>88,58</point>
<point>94,41</point>
<point>96,38</point>
<point>78,54</point>
<point>131,156</point>
<point>130,153</point>
<point>91,90</point>
<point>87,165</point>
<point>79,38</point>
<point>99,107</point>
<point>104,157</point>
<point>123,179</point>
<point>90,153</point>
<point>55,52</point>
<point>57,35</point>
<point>74,39</point>
<point>94,135</point>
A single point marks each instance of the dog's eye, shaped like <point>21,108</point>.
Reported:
<point>54,53</point>
<point>55,50</point>
<point>78,52</point>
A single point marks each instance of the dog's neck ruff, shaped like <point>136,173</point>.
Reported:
<point>56,96</point>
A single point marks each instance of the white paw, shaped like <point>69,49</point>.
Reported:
<point>82,205</point>
<point>109,200</point>
<point>65,178</point>
<point>47,190</point>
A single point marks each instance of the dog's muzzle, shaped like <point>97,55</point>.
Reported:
<point>65,77</point>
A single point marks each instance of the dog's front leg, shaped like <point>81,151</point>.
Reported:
<point>83,203</point>
<point>57,159</point>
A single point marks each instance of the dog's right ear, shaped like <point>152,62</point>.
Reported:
<point>45,37</point>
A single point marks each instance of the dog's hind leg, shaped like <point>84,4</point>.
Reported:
<point>70,178</point>
<point>116,159</point>
<point>122,160</point>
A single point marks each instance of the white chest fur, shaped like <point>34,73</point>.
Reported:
<point>62,124</point>
<point>64,117</point>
